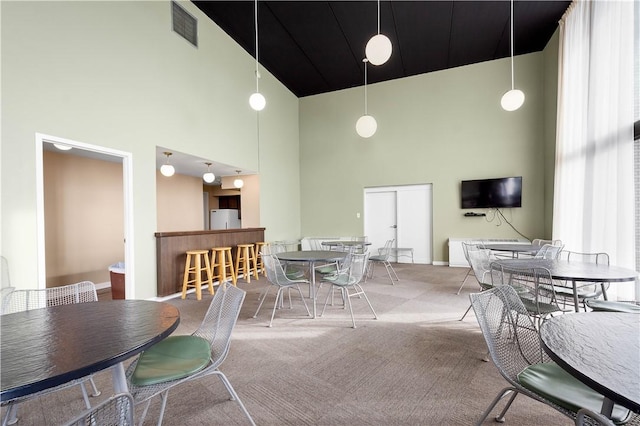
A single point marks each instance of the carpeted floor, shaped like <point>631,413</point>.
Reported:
<point>416,365</point>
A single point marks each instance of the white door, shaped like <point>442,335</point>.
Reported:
<point>403,213</point>
<point>380,218</point>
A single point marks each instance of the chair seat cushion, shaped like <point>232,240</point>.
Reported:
<point>172,358</point>
<point>611,306</point>
<point>555,384</point>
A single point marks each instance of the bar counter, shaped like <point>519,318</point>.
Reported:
<point>171,248</point>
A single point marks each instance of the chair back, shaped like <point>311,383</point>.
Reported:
<point>540,242</point>
<point>220,319</point>
<point>549,251</point>
<point>275,272</point>
<point>25,300</point>
<point>574,256</point>
<point>470,246</point>
<point>4,270</point>
<point>480,261</point>
<point>508,330</point>
<point>385,252</point>
<point>117,410</point>
<point>357,267</point>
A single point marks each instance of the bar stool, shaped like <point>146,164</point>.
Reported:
<point>193,273</point>
<point>244,256</point>
<point>222,259</point>
<point>259,264</point>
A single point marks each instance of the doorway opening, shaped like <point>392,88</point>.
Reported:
<point>81,149</point>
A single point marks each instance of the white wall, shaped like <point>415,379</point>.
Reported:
<point>114,74</point>
<point>438,128</point>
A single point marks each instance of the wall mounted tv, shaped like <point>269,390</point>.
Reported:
<point>491,193</point>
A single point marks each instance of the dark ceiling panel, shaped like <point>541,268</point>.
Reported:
<point>317,46</point>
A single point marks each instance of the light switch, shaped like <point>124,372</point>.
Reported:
<point>357,215</point>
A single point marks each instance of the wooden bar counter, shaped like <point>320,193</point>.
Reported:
<point>171,250</point>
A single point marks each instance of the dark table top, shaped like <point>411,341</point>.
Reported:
<point>311,255</point>
<point>517,248</point>
<point>44,348</point>
<point>575,271</point>
<point>601,349</point>
<point>345,243</point>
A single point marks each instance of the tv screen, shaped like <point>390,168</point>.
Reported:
<point>491,193</point>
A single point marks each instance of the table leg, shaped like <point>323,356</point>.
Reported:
<point>607,407</point>
<point>575,296</point>
<point>312,286</point>
<point>119,378</point>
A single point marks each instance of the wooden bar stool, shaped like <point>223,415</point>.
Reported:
<point>244,257</point>
<point>222,259</point>
<point>259,265</point>
<point>193,273</point>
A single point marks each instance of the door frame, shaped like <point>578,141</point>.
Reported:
<point>127,183</point>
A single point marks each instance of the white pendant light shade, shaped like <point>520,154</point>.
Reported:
<point>62,147</point>
<point>512,100</point>
<point>378,49</point>
<point>167,170</point>
<point>257,101</point>
<point>208,177</point>
<point>238,183</point>
<point>366,126</point>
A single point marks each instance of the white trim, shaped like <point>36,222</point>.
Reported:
<point>127,176</point>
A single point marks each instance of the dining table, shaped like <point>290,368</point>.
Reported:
<point>514,249</point>
<point>349,244</point>
<point>602,350</point>
<point>312,257</point>
<point>575,272</point>
<point>47,347</point>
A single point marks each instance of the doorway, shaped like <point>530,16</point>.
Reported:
<point>94,152</point>
<point>403,213</point>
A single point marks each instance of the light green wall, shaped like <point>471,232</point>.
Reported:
<point>437,128</point>
<point>113,74</point>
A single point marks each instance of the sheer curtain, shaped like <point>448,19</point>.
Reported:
<point>593,207</point>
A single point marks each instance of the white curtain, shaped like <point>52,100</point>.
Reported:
<point>593,207</point>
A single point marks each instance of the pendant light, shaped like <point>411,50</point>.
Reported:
<point>208,177</point>
<point>62,147</point>
<point>378,49</point>
<point>256,100</point>
<point>167,169</point>
<point>514,98</point>
<point>238,183</point>
<point>366,125</point>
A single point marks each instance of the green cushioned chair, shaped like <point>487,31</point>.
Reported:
<point>178,359</point>
<point>555,384</point>
<point>515,348</point>
<point>173,358</point>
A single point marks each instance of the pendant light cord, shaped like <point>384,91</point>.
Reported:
<point>511,20</point>
<point>365,86</point>
<point>378,17</point>
<point>256,27</point>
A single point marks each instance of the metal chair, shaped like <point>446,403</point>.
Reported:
<point>25,300</point>
<point>383,258</point>
<point>115,411</point>
<point>480,260</point>
<point>465,249</point>
<point>586,417</point>
<point>515,349</point>
<point>348,282</point>
<point>549,251</point>
<point>533,285</point>
<point>279,279</point>
<point>215,329</point>
<point>586,290</point>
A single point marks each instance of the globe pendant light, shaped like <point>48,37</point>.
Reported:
<point>256,100</point>
<point>208,177</point>
<point>379,48</point>
<point>238,183</point>
<point>167,169</point>
<point>514,98</point>
<point>366,125</point>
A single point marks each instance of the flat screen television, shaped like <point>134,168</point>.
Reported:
<point>491,193</point>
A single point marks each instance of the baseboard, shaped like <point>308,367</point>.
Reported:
<point>100,286</point>
<point>440,263</point>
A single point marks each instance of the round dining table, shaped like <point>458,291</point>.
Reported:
<point>311,257</point>
<point>575,272</point>
<point>514,249</point>
<point>44,348</point>
<point>602,350</point>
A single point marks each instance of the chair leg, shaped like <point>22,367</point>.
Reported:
<point>273,313</point>
<point>495,401</point>
<point>85,397</point>
<point>464,281</point>
<point>360,292</point>
<point>164,395</point>
<point>96,392</point>
<point>465,313</point>
<point>234,395</point>
<point>353,320</point>
<point>11,415</point>
<point>263,296</point>
<point>389,266</point>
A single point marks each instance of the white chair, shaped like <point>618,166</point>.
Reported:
<point>25,300</point>
<point>178,359</point>
<point>348,282</point>
<point>549,251</point>
<point>115,411</point>
<point>383,258</point>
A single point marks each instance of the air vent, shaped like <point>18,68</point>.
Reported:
<point>184,24</point>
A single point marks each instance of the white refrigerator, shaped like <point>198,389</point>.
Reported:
<point>224,219</point>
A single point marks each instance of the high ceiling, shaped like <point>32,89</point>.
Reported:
<point>315,47</point>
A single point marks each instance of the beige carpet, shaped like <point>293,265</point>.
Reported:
<point>416,365</point>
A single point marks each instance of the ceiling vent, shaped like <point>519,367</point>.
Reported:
<point>184,24</point>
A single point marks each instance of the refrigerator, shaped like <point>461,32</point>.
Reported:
<point>224,219</point>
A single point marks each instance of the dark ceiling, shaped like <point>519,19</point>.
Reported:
<point>317,46</point>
